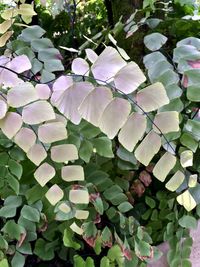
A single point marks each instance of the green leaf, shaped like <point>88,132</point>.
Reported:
<point>3,243</point>
<point>125,207</point>
<point>150,202</point>
<point>115,195</point>
<point>103,147</point>
<point>105,262</point>
<point>186,263</point>
<point>25,248</point>
<point>86,150</point>
<point>188,221</point>
<point>13,230</point>
<point>142,248</point>
<point>35,193</point>
<point>15,168</point>
<point>193,93</point>
<point>4,263</point>
<point>68,240</point>
<point>115,254</point>
<point>193,127</point>
<point>13,183</point>
<point>43,251</point>
<point>90,131</point>
<point>154,41</point>
<point>78,261</point>
<point>188,141</point>
<point>30,213</point>
<point>89,262</point>
<point>18,260</point>
<point>13,201</point>
<point>32,33</point>
<point>125,155</point>
<point>4,157</point>
<point>7,212</point>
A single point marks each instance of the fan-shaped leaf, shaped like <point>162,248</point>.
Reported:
<point>175,181</point>
<point>62,83</point>
<point>54,194</point>
<point>148,148</point>
<point>38,112</point>
<point>114,116</point>
<point>132,131</point>
<point>129,78</point>
<point>20,64</point>
<point>107,64</point>
<point>80,66</point>
<point>65,152</point>
<point>152,97</point>
<point>37,154</point>
<point>165,164</point>
<point>186,200</point>
<point>22,136</point>
<point>52,132</point>
<point>91,55</point>
<point>154,41</point>
<point>167,122</point>
<point>26,10</point>
<point>11,124</point>
<point>186,158</point>
<point>72,173</point>
<point>4,26</point>
<point>68,101</point>
<point>79,196</point>
<point>43,91</point>
<point>44,173</point>
<point>21,95</point>
<point>91,112</point>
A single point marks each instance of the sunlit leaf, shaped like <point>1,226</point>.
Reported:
<point>114,116</point>
<point>175,181</point>
<point>21,95</point>
<point>72,173</point>
<point>148,148</point>
<point>192,182</point>
<point>3,108</point>
<point>75,228</point>
<point>4,26</point>
<point>5,37</point>
<point>107,64</point>
<point>132,131</point>
<point>11,124</point>
<point>26,10</point>
<point>165,164</point>
<point>81,214</point>
<point>91,112</point>
<point>65,152</point>
<point>22,136</point>
<point>37,154</point>
<point>38,112</point>
<point>52,132</point>
<point>44,173</point>
<point>54,194</point>
<point>186,158</point>
<point>79,196</point>
<point>80,66</point>
<point>129,78</point>
<point>186,200</point>
<point>67,101</point>
<point>152,97</point>
<point>7,14</point>
<point>64,208</point>
<point>166,122</point>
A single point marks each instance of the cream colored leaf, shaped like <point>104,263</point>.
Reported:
<point>22,136</point>
<point>44,173</point>
<point>63,153</point>
<point>165,164</point>
<point>81,214</point>
<point>167,122</point>
<point>148,148</point>
<point>4,26</point>
<point>152,97</point>
<point>186,200</point>
<point>43,91</point>
<point>64,208</point>
<point>7,14</point>
<point>11,124</point>
<point>132,131</point>
<point>72,173</point>
<point>114,116</point>
<point>3,109</point>
<point>52,132</point>
<point>21,95</point>
<point>37,154</point>
<point>79,196</point>
<point>76,229</point>
<point>5,37</point>
<point>186,158</point>
<point>176,180</point>
<point>192,180</point>
<point>92,107</point>
<point>129,78</point>
<point>59,118</point>
<point>26,10</point>
<point>38,112</point>
<point>54,194</point>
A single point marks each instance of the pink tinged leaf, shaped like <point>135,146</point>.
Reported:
<point>79,196</point>
<point>152,97</point>
<point>52,132</point>
<point>11,124</point>
<point>129,78</point>
<point>43,91</point>
<point>81,214</point>
<point>25,139</point>
<point>92,107</point>
<point>21,95</point>
<point>165,164</point>
<point>114,116</point>
<point>80,66</point>
<point>37,154</point>
<point>195,64</point>
<point>68,101</point>
<point>63,153</point>
<point>44,174</point>
<point>9,79</point>
<point>132,131</point>
<point>62,83</point>
<point>91,55</point>
<point>166,122</point>
<point>54,194</point>
<point>59,118</point>
<point>72,173</point>
<point>20,64</point>
<point>148,148</point>
<point>107,64</point>
<point>76,229</point>
<point>3,109</point>
<point>38,112</point>
<point>185,81</point>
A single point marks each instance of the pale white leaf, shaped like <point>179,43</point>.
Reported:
<point>20,64</point>
<point>186,200</point>
<point>76,229</point>
<point>52,132</point>
<point>3,109</point>
<point>175,181</point>
<point>80,66</point>
<point>62,83</point>
<point>44,173</point>
<point>11,124</point>
<point>167,122</point>
<point>81,214</point>
<point>91,55</point>
<point>64,208</point>
<point>72,173</point>
<point>79,196</point>
<point>43,91</point>
<point>54,194</point>
<point>63,153</point>
<point>192,180</point>
<point>186,158</point>
<point>37,154</point>
<point>22,136</point>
